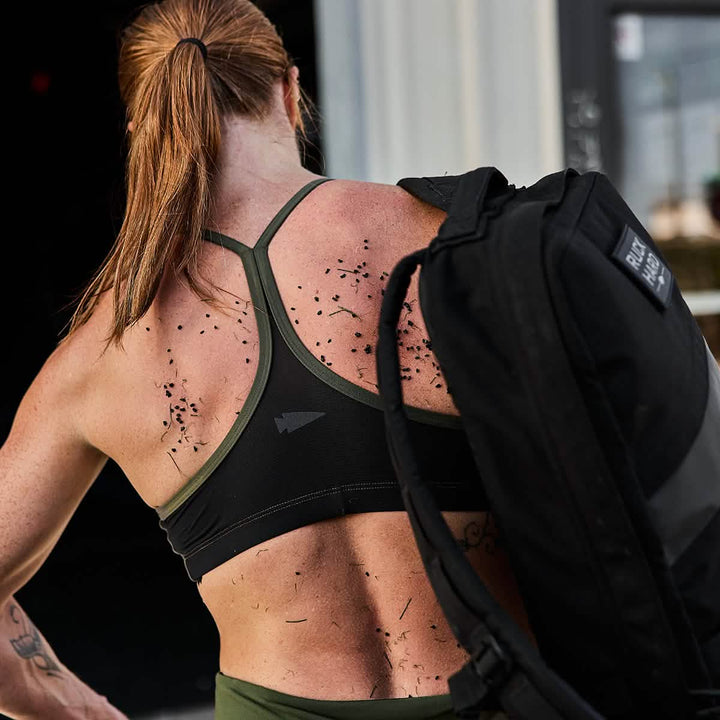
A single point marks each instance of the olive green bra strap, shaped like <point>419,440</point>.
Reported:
<point>267,234</point>
<point>286,209</point>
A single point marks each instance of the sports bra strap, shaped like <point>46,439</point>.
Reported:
<point>273,226</point>
<point>286,209</point>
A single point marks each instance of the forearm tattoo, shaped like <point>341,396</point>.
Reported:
<point>29,645</point>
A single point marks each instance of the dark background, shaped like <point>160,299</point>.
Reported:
<point>113,600</point>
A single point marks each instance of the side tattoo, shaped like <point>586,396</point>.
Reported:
<point>30,646</point>
<point>480,535</point>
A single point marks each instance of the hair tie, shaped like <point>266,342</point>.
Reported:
<point>195,41</point>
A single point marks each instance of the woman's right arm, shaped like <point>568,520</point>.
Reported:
<point>46,467</point>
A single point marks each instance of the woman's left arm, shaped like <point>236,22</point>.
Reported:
<point>34,684</point>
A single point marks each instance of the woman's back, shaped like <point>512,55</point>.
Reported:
<point>187,352</point>
<point>235,385</point>
<point>337,609</point>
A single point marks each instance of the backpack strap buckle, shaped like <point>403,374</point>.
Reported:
<point>490,662</point>
<point>481,677</point>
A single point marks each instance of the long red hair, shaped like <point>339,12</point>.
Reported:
<point>175,99</point>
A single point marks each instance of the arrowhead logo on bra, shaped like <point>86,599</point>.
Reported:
<point>291,421</point>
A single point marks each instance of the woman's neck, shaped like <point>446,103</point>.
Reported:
<point>257,158</point>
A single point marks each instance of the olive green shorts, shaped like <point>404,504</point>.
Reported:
<point>240,700</point>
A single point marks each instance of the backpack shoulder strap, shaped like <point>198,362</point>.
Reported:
<point>465,198</point>
<point>442,190</point>
<point>437,191</point>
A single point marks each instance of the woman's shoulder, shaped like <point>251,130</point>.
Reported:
<point>379,196</point>
<point>383,209</point>
<point>59,392</point>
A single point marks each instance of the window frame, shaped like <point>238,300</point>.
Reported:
<point>592,135</point>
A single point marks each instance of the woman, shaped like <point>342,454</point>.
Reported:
<point>234,382</point>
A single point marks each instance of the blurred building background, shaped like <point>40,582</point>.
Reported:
<point>627,87</point>
<point>403,88</point>
<point>429,87</point>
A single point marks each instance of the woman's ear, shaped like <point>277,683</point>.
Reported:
<point>130,126</point>
<point>292,95</point>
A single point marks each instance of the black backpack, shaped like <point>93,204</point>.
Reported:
<point>591,404</point>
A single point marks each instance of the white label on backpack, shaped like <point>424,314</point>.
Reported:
<point>637,258</point>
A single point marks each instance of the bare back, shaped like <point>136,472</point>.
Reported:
<point>339,609</point>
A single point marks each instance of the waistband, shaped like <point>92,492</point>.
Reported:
<point>237,699</point>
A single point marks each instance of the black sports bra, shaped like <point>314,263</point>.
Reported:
<point>308,444</point>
